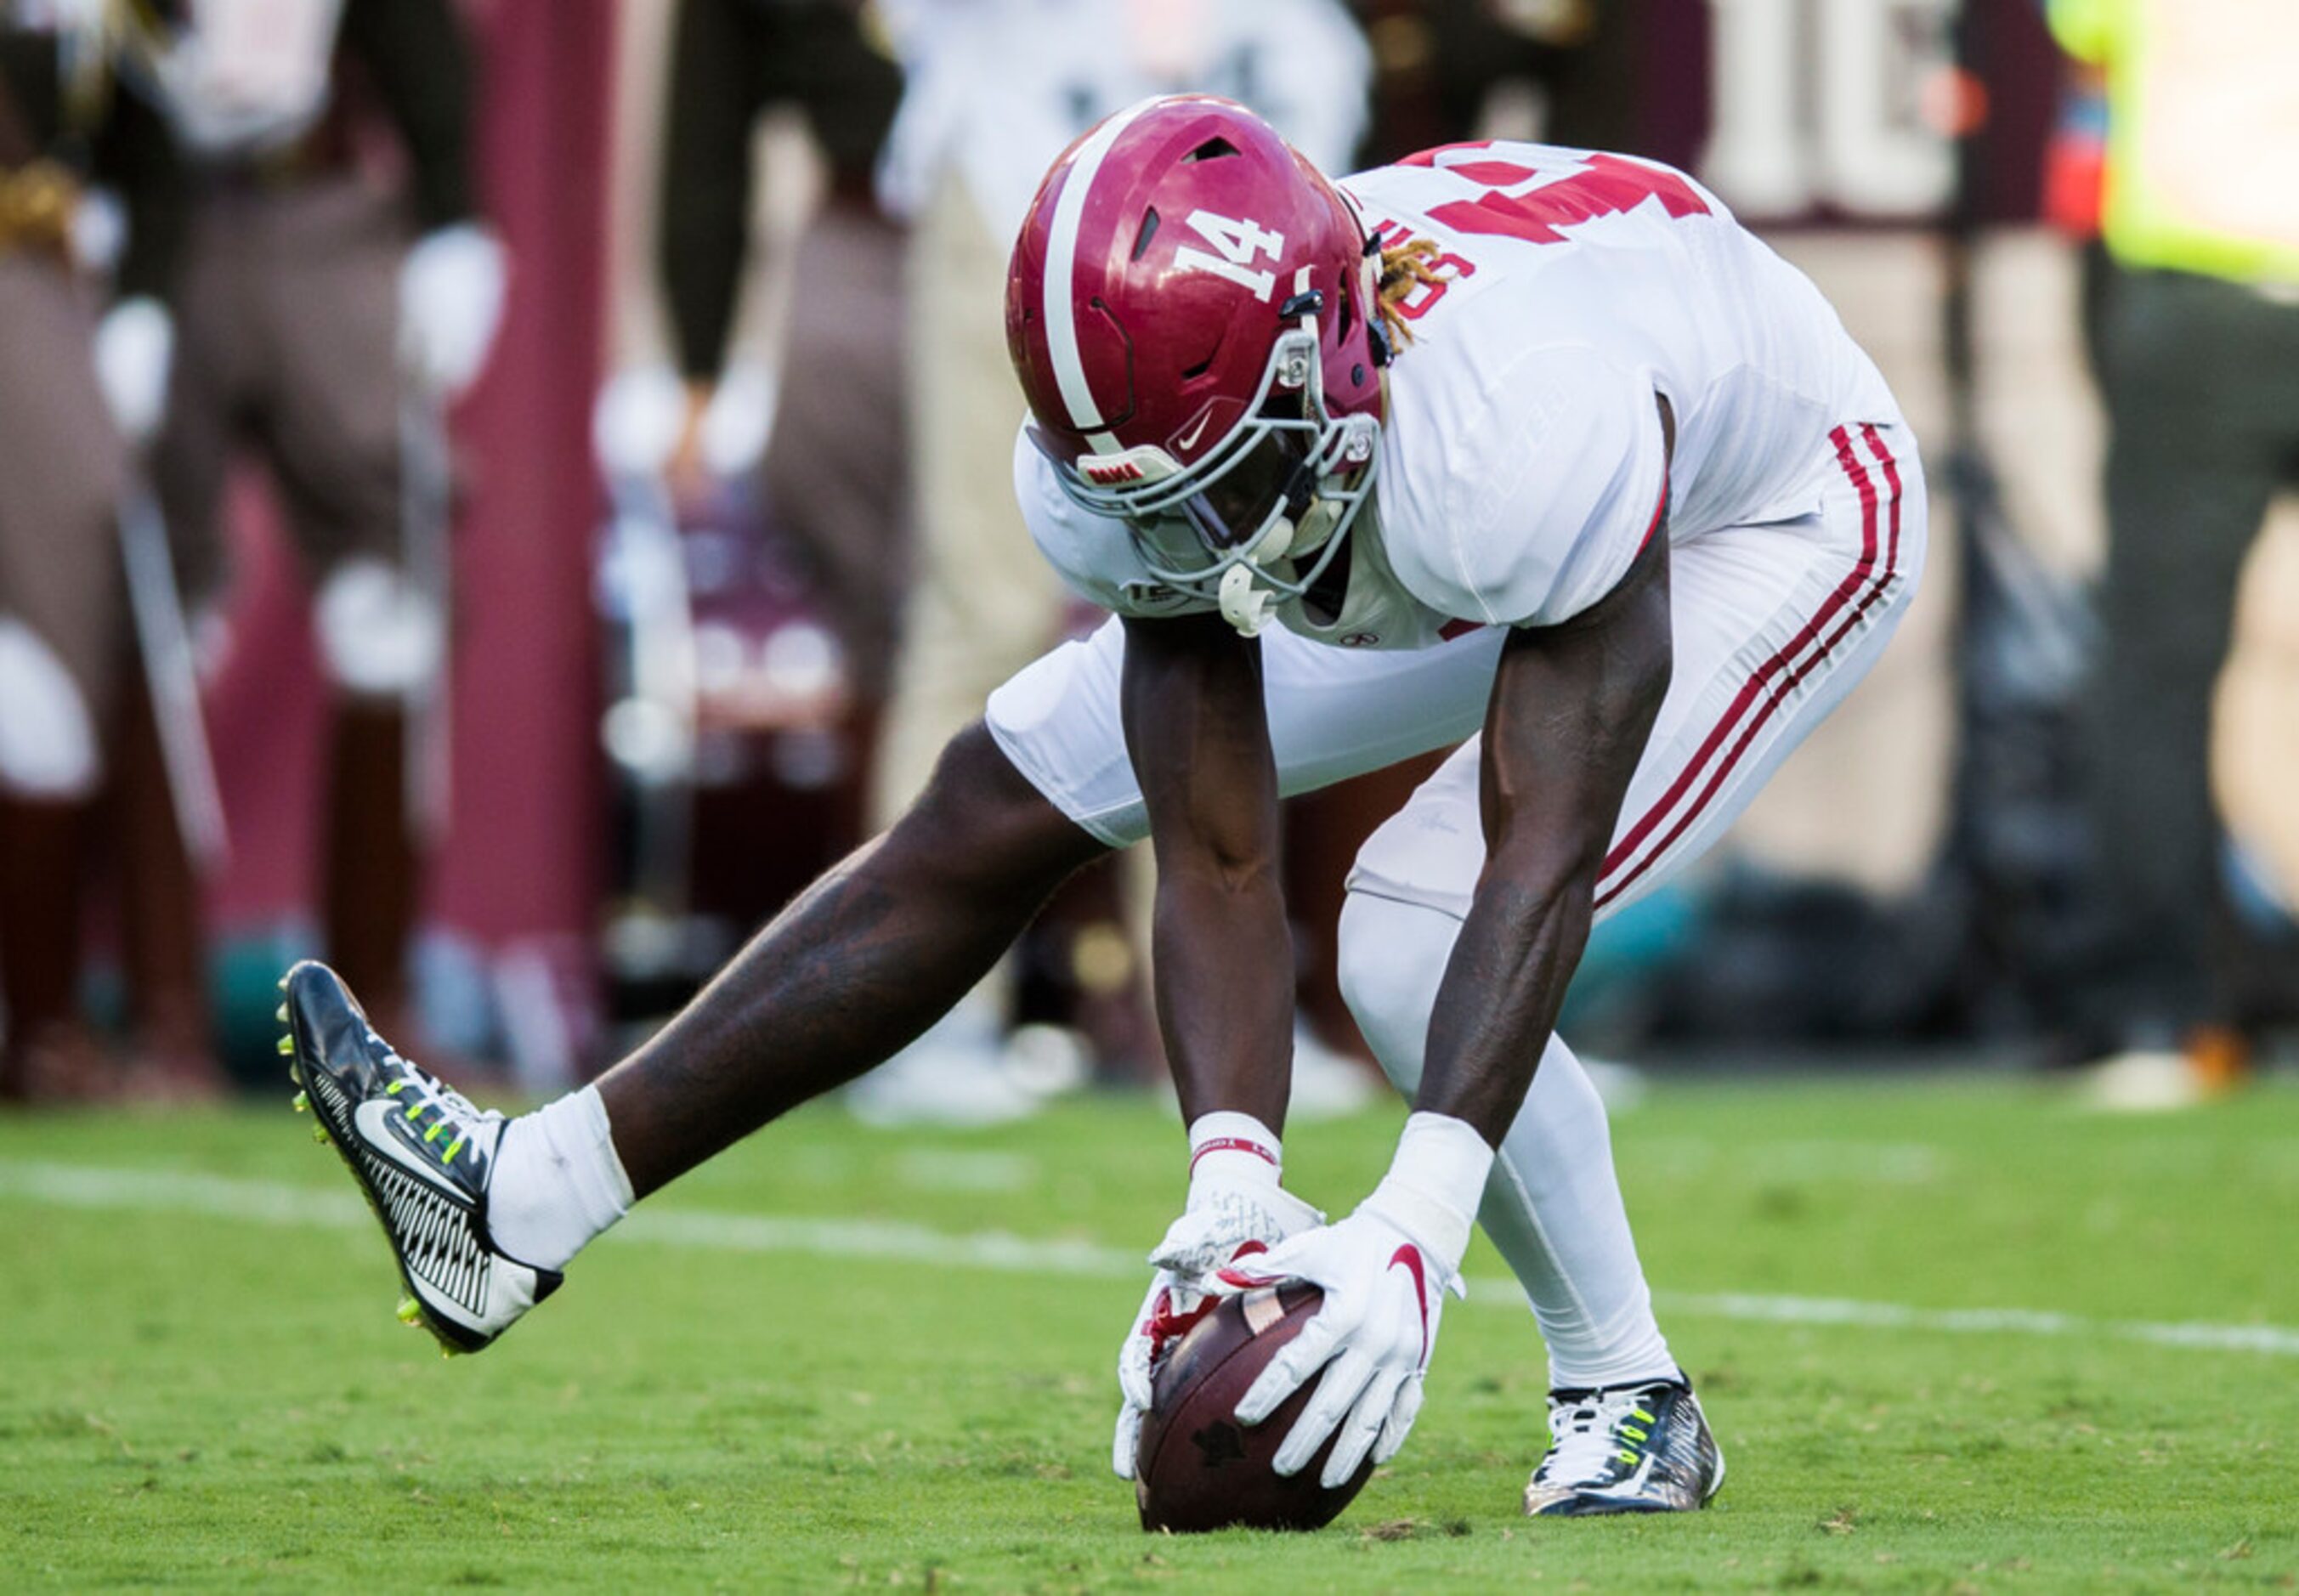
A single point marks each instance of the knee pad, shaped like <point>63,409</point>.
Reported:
<point>1391,959</point>
<point>48,746</point>
<point>380,634</point>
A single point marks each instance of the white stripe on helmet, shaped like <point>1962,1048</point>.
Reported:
<point>1061,249</point>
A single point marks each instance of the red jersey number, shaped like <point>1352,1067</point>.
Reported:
<point>1444,270</point>
<point>1601,185</point>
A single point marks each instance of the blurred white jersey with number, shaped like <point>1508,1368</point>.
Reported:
<point>998,88</point>
<point>1521,462</point>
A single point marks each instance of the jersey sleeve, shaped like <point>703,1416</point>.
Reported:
<point>1550,492</point>
<point>1093,553</point>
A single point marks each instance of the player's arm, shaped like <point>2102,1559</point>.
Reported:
<point>1198,736</point>
<point>1199,740</point>
<point>1572,707</point>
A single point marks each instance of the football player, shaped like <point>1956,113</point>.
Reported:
<point>315,328</point>
<point>1528,449</point>
<point>79,399</point>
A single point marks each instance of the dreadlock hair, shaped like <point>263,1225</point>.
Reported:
<point>1405,267</point>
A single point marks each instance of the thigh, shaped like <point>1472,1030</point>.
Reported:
<point>62,468</point>
<point>1773,626</point>
<point>1333,713</point>
<point>217,343</point>
<point>329,411</point>
<point>985,600</point>
<point>834,469</point>
<point>982,603</point>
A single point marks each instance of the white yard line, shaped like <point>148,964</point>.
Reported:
<point>277,1202</point>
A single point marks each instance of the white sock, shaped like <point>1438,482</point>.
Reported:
<point>1553,1207</point>
<point>1552,1203</point>
<point>557,1182</point>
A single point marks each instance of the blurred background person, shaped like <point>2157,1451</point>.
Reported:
<point>751,437</point>
<point>994,90</point>
<point>836,466</point>
<point>79,397</point>
<point>2199,366</point>
<point>329,313</point>
<point>1906,880</point>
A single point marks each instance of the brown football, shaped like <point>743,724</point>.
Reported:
<point>1196,1467</point>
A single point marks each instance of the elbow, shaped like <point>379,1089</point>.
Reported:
<point>1546,879</point>
<point>1226,872</point>
<point>1237,875</point>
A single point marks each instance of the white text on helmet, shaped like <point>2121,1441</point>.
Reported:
<point>1238,242</point>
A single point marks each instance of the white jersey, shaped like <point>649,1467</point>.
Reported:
<point>1521,463</point>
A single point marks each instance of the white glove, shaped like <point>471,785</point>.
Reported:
<point>1234,1211</point>
<point>450,297</point>
<point>134,346</point>
<point>1384,1271</point>
<point>636,426</point>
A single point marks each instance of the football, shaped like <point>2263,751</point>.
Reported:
<point>1196,1467</point>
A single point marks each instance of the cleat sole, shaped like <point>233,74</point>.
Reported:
<point>301,1102</point>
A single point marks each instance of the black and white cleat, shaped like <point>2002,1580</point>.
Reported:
<point>422,1154</point>
<point>1626,1448</point>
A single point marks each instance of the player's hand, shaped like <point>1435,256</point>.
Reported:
<point>134,348</point>
<point>1384,1272</point>
<point>1384,1293</point>
<point>451,299</point>
<point>1225,1222</point>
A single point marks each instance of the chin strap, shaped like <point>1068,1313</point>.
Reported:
<point>1244,605</point>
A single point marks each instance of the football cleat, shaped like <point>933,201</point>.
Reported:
<point>1626,1448</point>
<point>422,1154</point>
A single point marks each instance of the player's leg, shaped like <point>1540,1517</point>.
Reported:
<point>878,948</point>
<point>1773,626</point>
<point>330,425</point>
<point>1553,1208</point>
<point>979,604</point>
<point>2201,400</point>
<point>483,1212</point>
<point>62,614</point>
<point>50,762</point>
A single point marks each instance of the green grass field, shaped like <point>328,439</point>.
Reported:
<point>203,1384</point>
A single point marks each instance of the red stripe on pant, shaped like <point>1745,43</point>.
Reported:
<point>1761,685</point>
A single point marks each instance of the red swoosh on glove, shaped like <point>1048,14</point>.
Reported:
<point>1247,1282</point>
<point>1238,1277</point>
<point>1410,1257</point>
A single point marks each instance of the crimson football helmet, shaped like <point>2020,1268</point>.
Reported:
<point>1191,309</point>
